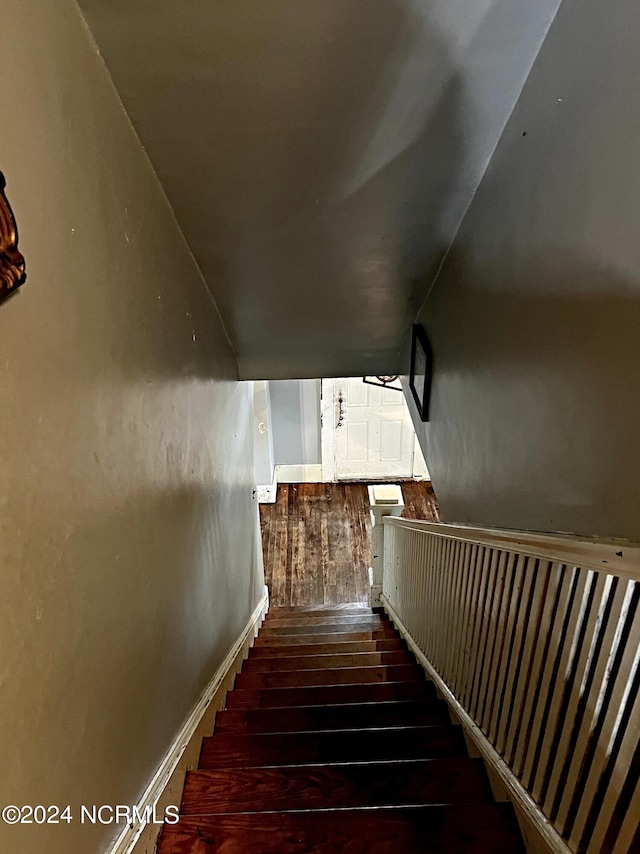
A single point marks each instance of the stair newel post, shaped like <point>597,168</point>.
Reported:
<point>384,500</point>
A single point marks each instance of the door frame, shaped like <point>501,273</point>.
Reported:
<point>328,436</point>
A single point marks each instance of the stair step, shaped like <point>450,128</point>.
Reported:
<point>333,740</point>
<point>445,829</point>
<point>321,619</point>
<point>365,745</point>
<point>344,648</point>
<point>320,695</point>
<point>320,611</point>
<point>375,784</point>
<point>347,716</point>
<point>329,636</point>
<point>328,625</point>
<point>332,676</point>
<point>277,610</point>
<point>323,662</point>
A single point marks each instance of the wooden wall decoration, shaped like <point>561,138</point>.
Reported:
<point>12,266</point>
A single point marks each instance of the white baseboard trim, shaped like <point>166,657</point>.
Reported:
<point>539,835</point>
<point>168,779</point>
<point>299,474</point>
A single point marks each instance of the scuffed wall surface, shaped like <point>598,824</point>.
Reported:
<point>129,557</point>
<point>534,319</point>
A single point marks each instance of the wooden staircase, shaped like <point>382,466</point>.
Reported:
<point>333,741</point>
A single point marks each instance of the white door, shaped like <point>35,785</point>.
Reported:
<point>370,430</point>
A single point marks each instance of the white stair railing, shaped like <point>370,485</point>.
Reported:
<point>535,642</point>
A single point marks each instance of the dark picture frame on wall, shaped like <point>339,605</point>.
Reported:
<point>420,374</point>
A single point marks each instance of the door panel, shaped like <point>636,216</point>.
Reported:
<point>357,441</point>
<point>374,436</point>
<point>391,444</point>
<point>356,392</point>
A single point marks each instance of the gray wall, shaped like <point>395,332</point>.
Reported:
<point>319,155</point>
<point>535,318</point>
<point>295,413</point>
<point>129,557</point>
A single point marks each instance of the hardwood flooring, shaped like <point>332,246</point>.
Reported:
<point>316,540</point>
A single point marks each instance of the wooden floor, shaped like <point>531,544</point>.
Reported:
<point>316,540</point>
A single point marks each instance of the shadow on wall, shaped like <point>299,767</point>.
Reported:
<point>536,395</point>
<point>136,649</point>
<point>133,305</point>
<point>334,214</point>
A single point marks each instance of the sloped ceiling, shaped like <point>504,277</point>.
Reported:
<point>319,154</point>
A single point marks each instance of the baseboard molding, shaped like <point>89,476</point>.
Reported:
<point>299,474</point>
<point>539,835</point>
<point>166,786</point>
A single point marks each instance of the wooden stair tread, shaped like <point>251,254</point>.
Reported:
<point>359,611</point>
<point>319,662</point>
<point>298,748</point>
<point>329,676</point>
<point>277,610</point>
<point>319,695</point>
<point>348,716</point>
<point>446,829</point>
<point>329,626</point>
<point>343,648</point>
<point>324,620</point>
<point>332,636</point>
<point>416,782</point>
